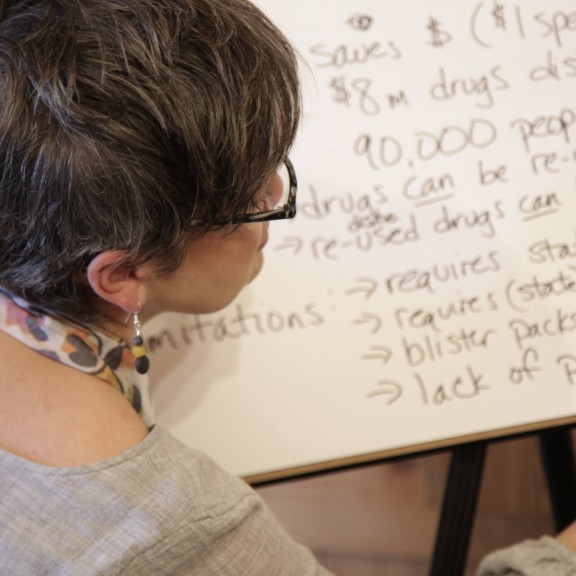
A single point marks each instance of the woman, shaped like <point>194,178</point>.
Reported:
<point>140,148</point>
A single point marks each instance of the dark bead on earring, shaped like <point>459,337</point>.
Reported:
<point>142,365</point>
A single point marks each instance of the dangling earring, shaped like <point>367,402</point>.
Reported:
<point>142,363</point>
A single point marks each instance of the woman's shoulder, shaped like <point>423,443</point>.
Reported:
<point>159,507</point>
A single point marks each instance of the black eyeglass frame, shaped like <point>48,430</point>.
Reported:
<point>282,213</point>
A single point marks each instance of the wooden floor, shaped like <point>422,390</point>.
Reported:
<point>381,520</point>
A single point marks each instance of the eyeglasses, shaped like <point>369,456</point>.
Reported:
<point>278,200</point>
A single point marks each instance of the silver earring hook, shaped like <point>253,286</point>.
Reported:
<point>137,325</point>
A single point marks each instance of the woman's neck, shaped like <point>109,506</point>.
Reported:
<point>55,415</point>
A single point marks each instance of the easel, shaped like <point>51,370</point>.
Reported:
<point>463,488</point>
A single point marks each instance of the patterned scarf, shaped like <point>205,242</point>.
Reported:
<point>90,349</point>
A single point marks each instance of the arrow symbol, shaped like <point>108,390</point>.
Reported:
<point>389,388</point>
<point>367,317</point>
<point>291,243</point>
<point>368,289</point>
<point>379,353</point>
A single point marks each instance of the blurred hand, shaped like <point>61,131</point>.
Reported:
<point>568,536</point>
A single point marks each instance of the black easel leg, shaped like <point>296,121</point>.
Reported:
<point>458,509</point>
<point>558,458</point>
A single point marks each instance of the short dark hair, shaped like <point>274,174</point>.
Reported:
<point>121,121</point>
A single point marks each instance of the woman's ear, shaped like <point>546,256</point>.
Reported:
<point>116,279</point>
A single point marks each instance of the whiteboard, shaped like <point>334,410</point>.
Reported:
<point>426,292</point>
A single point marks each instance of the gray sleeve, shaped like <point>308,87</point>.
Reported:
<point>159,509</point>
<point>544,557</point>
<point>247,541</point>
<point>215,524</point>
